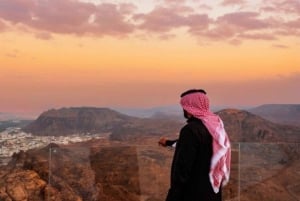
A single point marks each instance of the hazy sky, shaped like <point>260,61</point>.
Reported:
<point>125,53</point>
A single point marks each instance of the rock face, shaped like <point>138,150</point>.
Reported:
<point>22,185</point>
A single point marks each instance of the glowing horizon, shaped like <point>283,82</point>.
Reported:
<point>62,53</point>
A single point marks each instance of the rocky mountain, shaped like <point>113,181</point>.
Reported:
<point>279,113</point>
<point>243,126</point>
<point>76,120</point>
<point>170,110</point>
<point>83,120</point>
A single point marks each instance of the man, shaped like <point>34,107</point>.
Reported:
<point>201,162</point>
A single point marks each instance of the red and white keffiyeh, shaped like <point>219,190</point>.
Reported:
<point>197,104</point>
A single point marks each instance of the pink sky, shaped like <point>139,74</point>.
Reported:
<point>61,53</point>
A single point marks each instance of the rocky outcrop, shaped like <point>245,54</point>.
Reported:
<point>82,173</point>
<point>22,185</point>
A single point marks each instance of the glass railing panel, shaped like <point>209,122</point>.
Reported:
<point>114,172</point>
<point>155,165</point>
<point>118,172</point>
<point>71,174</point>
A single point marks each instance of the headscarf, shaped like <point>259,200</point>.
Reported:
<point>197,104</point>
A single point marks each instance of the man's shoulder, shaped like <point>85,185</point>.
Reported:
<point>193,124</point>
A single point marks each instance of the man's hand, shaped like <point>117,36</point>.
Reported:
<point>162,141</point>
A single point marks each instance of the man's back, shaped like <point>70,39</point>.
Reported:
<point>191,165</point>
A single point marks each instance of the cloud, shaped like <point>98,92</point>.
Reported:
<point>280,46</point>
<point>167,36</point>
<point>237,25</point>
<point>2,26</point>
<point>61,16</point>
<point>161,19</point>
<point>175,1</point>
<point>68,16</point>
<point>198,22</point>
<point>294,24</point>
<point>289,28</point>
<point>287,6</point>
<point>258,36</point>
<point>43,36</point>
<point>16,10</point>
<point>243,20</point>
<point>110,20</point>
<point>267,22</point>
<point>205,7</point>
<point>232,2</point>
<point>127,8</point>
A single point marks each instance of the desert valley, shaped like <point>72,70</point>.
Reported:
<point>94,154</point>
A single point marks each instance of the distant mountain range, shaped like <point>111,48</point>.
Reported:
<point>242,126</point>
<point>13,123</point>
<point>4,116</point>
<point>170,110</point>
<point>8,116</point>
<point>279,113</point>
<point>86,120</point>
<point>173,111</point>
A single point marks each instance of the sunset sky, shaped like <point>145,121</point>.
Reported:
<point>126,53</point>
